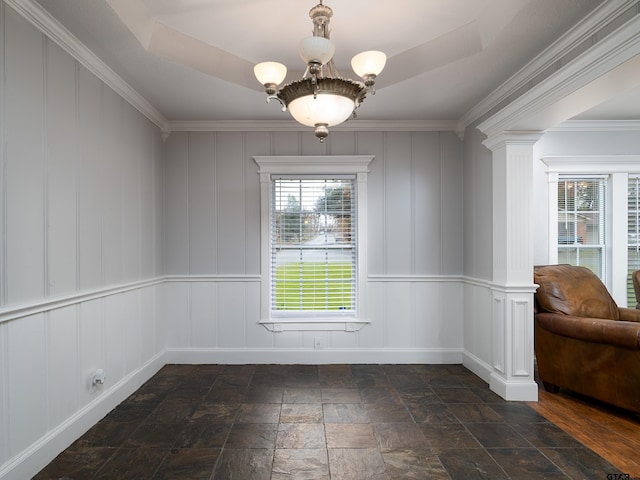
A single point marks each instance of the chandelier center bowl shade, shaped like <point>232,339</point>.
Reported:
<point>322,98</point>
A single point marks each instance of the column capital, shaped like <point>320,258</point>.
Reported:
<point>500,140</point>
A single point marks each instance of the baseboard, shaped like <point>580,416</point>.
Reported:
<point>33,459</point>
<point>477,366</point>
<point>521,391</point>
<point>509,390</point>
<point>230,356</point>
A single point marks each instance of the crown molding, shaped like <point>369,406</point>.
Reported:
<point>293,126</point>
<point>591,164</point>
<point>49,26</point>
<point>597,126</point>
<point>621,47</point>
<point>580,33</point>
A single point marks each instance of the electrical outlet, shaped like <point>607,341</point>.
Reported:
<point>317,343</point>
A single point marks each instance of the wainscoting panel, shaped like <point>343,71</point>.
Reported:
<point>92,333</point>
<point>62,364</point>
<point>215,319</point>
<point>47,361</point>
<point>27,381</point>
<point>478,327</point>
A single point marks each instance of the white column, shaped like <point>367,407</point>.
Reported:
<point>512,298</point>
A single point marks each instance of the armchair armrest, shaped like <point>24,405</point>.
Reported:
<point>629,314</point>
<point>596,330</point>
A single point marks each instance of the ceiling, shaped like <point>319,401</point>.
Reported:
<point>193,59</point>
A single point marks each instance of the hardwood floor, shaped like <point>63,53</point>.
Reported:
<point>612,433</point>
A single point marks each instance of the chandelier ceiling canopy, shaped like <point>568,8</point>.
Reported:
<point>322,98</point>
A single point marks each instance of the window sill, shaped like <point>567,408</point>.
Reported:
<point>301,325</point>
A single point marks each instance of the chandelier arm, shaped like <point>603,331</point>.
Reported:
<point>276,97</point>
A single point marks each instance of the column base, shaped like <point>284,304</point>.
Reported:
<point>521,390</point>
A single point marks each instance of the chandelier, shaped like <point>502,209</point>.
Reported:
<point>322,98</point>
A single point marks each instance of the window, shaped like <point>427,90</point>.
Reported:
<point>594,217</point>
<point>313,213</point>
<point>313,245</point>
<point>581,222</point>
<point>633,235</point>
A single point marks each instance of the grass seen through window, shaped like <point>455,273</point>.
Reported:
<point>314,286</point>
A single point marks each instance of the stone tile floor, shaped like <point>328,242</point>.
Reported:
<point>298,422</point>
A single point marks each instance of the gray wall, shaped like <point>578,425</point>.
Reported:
<point>414,243</point>
<point>478,253</point>
<point>81,185</point>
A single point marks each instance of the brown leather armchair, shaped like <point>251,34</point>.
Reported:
<point>583,341</point>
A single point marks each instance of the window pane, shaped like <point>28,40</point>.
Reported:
<point>313,245</point>
<point>581,222</point>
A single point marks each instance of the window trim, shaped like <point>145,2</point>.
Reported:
<point>604,217</point>
<point>618,168</point>
<point>357,165</point>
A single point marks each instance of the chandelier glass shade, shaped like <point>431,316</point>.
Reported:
<point>322,98</point>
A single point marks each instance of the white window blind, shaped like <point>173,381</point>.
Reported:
<point>633,235</point>
<point>313,245</point>
<point>581,222</point>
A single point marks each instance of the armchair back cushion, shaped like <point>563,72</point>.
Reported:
<point>575,291</point>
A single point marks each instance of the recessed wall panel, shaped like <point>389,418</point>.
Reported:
<point>113,179</point>
<point>62,164</point>
<point>149,317</point>
<point>256,143</point>
<point>399,210</point>
<point>203,209</point>
<point>146,244</point>
<point>285,143</point>
<point>204,323</point>
<point>27,385</point>
<point>429,211</point>
<point>230,204</point>
<point>24,159</point>
<point>90,185</point>
<point>452,231</point>
<point>116,327</point>
<point>399,319</point>
<point>176,205</point>
<point>92,347</point>
<point>428,314</point>
<point>231,311</point>
<point>372,143</point>
<point>133,139</point>
<point>131,334</point>
<point>344,143</point>
<point>63,374</point>
<point>452,314</point>
<point>176,304</point>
